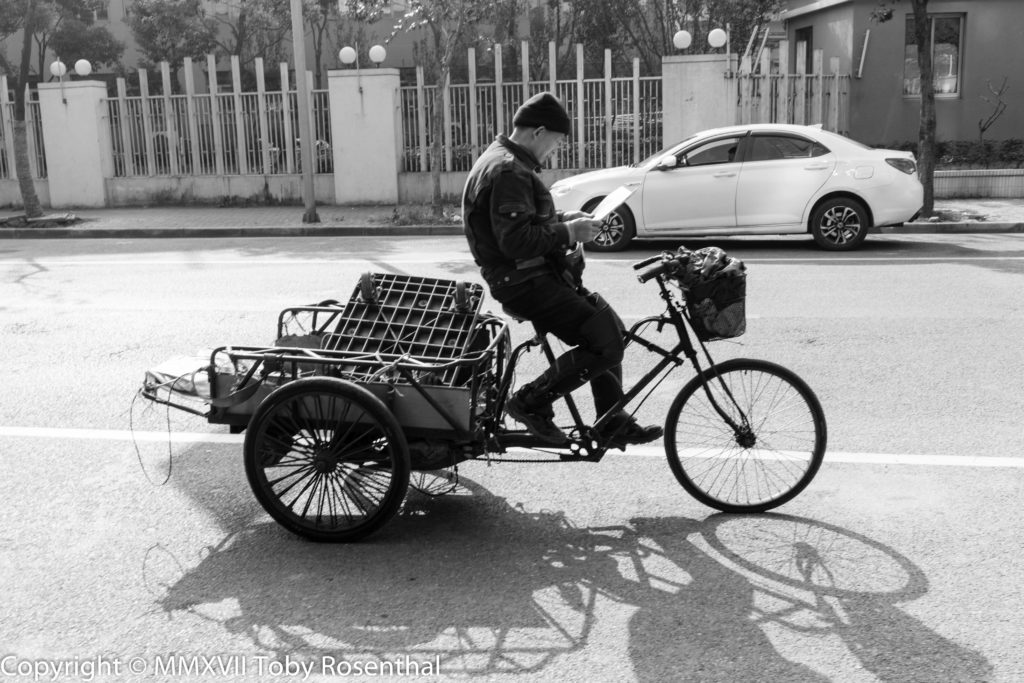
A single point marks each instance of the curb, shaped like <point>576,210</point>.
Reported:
<point>950,228</point>
<point>401,231</point>
<point>263,231</point>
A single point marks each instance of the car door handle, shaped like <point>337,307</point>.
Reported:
<point>724,174</point>
<point>816,167</point>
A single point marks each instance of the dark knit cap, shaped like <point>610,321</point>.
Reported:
<point>543,109</point>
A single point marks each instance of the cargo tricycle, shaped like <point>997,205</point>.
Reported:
<point>410,375</point>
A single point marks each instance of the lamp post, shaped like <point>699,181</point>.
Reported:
<point>305,128</point>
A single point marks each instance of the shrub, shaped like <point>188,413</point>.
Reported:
<point>954,154</point>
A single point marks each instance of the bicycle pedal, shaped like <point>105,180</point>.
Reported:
<point>578,457</point>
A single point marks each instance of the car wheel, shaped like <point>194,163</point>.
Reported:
<point>617,231</point>
<point>839,224</point>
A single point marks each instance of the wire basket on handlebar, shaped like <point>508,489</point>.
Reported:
<point>716,287</point>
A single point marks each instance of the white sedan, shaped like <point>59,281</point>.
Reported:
<point>759,179</point>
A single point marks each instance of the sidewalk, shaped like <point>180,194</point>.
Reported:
<point>956,216</point>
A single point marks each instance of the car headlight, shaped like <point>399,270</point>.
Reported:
<point>560,190</point>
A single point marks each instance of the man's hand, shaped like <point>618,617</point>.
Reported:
<point>570,215</point>
<point>583,229</point>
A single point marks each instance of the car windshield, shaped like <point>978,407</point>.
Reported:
<point>660,153</point>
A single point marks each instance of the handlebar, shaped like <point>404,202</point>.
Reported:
<point>653,272</point>
<point>668,262</point>
<point>646,262</point>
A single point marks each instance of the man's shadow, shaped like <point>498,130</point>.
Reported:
<point>489,588</point>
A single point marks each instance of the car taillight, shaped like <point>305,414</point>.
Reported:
<point>906,165</point>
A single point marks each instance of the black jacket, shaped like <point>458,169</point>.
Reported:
<point>508,215</point>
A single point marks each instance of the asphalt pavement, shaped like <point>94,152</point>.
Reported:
<point>955,216</point>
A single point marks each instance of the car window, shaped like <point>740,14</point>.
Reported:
<point>770,147</point>
<point>720,151</point>
<point>661,153</point>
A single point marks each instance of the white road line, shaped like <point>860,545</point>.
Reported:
<point>635,451</point>
<point>441,258</point>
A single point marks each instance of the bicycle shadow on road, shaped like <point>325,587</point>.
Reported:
<point>487,587</point>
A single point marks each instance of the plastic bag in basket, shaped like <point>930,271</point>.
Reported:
<point>717,294</point>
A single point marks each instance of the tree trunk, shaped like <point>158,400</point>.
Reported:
<point>926,136</point>
<point>25,181</point>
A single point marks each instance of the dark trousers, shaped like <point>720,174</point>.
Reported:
<point>580,319</point>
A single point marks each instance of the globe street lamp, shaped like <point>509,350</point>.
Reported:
<point>377,54</point>
<point>347,55</point>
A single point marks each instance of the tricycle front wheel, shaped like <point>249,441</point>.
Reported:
<point>770,456</point>
<point>326,459</point>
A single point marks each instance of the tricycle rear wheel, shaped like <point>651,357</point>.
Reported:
<point>326,459</point>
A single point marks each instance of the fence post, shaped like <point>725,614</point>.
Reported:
<point>242,152</point>
<point>525,68</point>
<point>800,92</point>
<point>125,123</point>
<point>833,95</point>
<point>746,83</point>
<point>286,112</point>
<point>190,109</point>
<point>553,83</point>
<point>147,122</point>
<point>421,118</point>
<point>474,134</point>
<point>30,134</point>
<point>784,84</point>
<point>609,107</point>
<point>261,108</point>
<point>581,122</point>
<point>446,118</point>
<point>170,120</point>
<point>8,125</point>
<point>817,101</point>
<point>636,109</point>
<point>499,92</point>
<point>310,114</point>
<point>553,67</point>
<point>218,138</point>
<point>767,88</point>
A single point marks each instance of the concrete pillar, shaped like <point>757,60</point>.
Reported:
<point>366,135</point>
<point>79,158</point>
<point>698,92</point>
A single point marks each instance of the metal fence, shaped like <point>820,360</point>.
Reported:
<point>33,131</point>
<point>616,120</point>
<point>215,133</point>
<point>766,96</point>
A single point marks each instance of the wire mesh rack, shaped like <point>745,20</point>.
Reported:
<point>401,316</point>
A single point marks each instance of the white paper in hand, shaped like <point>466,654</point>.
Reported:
<point>612,202</point>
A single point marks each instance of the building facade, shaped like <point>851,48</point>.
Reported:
<point>977,48</point>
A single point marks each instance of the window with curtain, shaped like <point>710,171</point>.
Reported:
<point>947,46</point>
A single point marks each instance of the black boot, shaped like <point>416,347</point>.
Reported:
<point>531,405</point>
<point>623,429</point>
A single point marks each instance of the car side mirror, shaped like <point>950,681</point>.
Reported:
<point>667,162</point>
